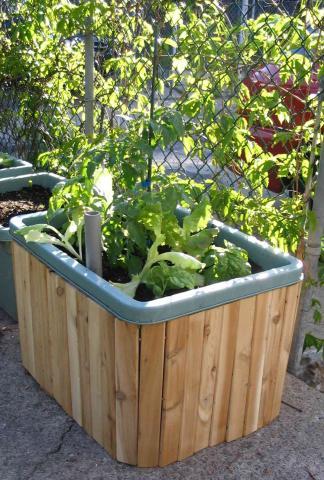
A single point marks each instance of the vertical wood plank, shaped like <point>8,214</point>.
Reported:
<point>290,314</point>
<point>108,382</point>
<point>225,371</point>
<point>73,346</point>
<point>59,340</point>
<point>173,389</point>
<point>25,318</point>
<point>241,370</point>
<point>260,332</point>
<point>275,324</point>
<point>96,318</point>
<point>84,359</point>
<point>150,393</point>
<point>209,368</point>
<point>39,302</point>
<point>192,374</point>
<point>127,360</point>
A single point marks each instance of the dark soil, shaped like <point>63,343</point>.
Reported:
<point>27,200</point>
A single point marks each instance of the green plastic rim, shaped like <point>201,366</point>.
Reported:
<point>279,270</point>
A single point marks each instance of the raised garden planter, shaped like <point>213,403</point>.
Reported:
<point>20,167</point>
<point>154,382</point>
<point>7,290</point>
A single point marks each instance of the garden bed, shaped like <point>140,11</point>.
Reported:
<point>17,195</point>
<point>154,382</point>
<point>27,200</point>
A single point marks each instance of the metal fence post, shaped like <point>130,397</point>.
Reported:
<point>89,79</point>
<point>312,254</point>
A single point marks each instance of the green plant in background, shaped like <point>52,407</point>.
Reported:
<point>6,161</point>
<point>208,116</point>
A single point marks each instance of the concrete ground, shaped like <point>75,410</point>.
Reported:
<point>38,441</point>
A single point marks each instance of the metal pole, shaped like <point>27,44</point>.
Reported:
<point>89,79</point>
<point>152,101</point>
<point>312,254</point>
<point>92,230</point>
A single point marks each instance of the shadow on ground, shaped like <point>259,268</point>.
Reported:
<point>38,441</point>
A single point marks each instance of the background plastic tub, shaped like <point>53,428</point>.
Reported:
<point>7,290</point>
<point>20,167</point>
<point>180,374</point>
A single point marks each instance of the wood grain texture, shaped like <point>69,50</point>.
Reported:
<point>173,389</point>
<point>24,308</point>
<point>40,313</point>
<point>225,372</point>
<point>108,382</point>
<point>154,394</point>
<point>150,393</point>
<point>95,321</point>
<point>260,331</point>
<point>192,374</point>
<point>127,375</point>
<point>289,320</point>
<point>275,325</point>
<point>209,367</point>
<point>241,369</point>
<point>84,359</point>
<point>73,346</point>
<point>58,334</point>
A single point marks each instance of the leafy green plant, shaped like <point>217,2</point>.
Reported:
<point>224,263</point>
<point>142,235</point>
<point>313,342</point>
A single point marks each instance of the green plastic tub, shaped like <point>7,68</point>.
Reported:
<point>278,270</point>
<point>7,290</point>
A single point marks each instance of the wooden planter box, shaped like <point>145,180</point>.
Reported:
<point>154,393</point>
<point>7,288</point>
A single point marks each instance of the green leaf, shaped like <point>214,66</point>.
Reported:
<point>163,277</point>
<point>225,263</point>
<point>188,144</point>
<point>179,64</point>
<point>198,243</point>
<point>103,181</point>
<point>178,258</point>
<point>128,288</point>
<point>198,218</point>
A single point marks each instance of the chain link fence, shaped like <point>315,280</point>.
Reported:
<point>224,93</point>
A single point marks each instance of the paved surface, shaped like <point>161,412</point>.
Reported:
<point>38,441</point>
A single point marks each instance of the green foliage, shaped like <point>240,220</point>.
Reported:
<point>163,277</point>
<point>224,263</point>
<point>142,234</point>
<point>6,161</point>
<point>313,342</point>
<point>42,57</point>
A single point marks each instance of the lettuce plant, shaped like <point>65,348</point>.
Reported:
<point>142,235</point>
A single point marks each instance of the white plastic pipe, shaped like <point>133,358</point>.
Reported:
<point>92,230</point>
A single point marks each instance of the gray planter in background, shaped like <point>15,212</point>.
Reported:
<point>7,290</point>
<point>20,167</point>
